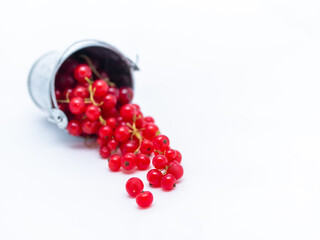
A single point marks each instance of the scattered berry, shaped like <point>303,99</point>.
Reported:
<point>144,199</point>
<point>168,182</point>
<point>134,186</point>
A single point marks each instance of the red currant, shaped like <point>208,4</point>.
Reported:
<point>102,141</point>
<point>154,177</point>
<point>65,81</point>
<point>81,72</point>
<point>74,128</point>
<point>129,146</point>
<point>161,143</point>
<point>150,131</point>
<point>170,154</point>
<point>67,93</point>
<point>146,147</point>
<point>93,112</point>
<point>144,199</point>
<point>100,88</point>
<point>90,127</point>
<point>112,122</point>
<point>77,105</point>
<point>122,134</point>
<point>128,161</point>
<point>176,170</point>
<point>143,162</point>
<point>104,152</point>
<point>58,94</point>
<point>114,91</point>
<point>149,119</point>
<point>105,132</point>
<point>80,91</point>
<point>159,162</point>
<point>114,163</point>
<point>127,112</point>
<point>178,157</point>
<point>134,186</point>
<point>168,182</point>
<point>112,144</point>
<point>125,95</point>
<point>109,102</point>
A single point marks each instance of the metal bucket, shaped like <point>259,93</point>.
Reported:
<point>42,76</point>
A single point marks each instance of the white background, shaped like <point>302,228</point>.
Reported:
<point>234,84</point>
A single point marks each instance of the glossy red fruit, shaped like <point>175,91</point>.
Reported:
<point>112,144</point>
<point>144,199</point>
<point>161,143</point>
<point>67,93</point>
<point>170,154</point>
<point>102,142</point>
<point>159,162</point>
<point>90,127</point>
<point>149,119</point>
<point>114,163</point>
<point>64,81</point>
<point>178,157</point>
<point>128,161</point>
<point>127,112</point>
<point>150,131</point>
<point>58,94</point>
<point>129,146</point>
<point>168,182</point>
<point>105,132</point>
<point>175,169</point>
<point>125,95</point>
<point>80,91</point>
<point>77,105</point>
<point>81,72</point>
<point>74,127</point>
<point>146,147</point>
<point>134,186</point>
<point>114,91</point>
<point>122,134</point>
<point>93,112</point>
<point>109,102</point>
<point>111,122</point>
<point>100,88</point>
<point>110,113</point>
<point>104,152</point>
<point>154,177</point>
<point>143,162</point>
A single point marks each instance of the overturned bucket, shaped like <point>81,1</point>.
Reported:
<point>43,74</point>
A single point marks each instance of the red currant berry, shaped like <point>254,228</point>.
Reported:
<point>161,143</point>
<point>134,186</point>
<point>143,162</point>
<point>176,170</point>
<point>105,132</point>
<point>64,107</point>
<point>178,157</point>
<point>114,163</point>
<point>81,72</point>
<point>112,122</point>
<point>149,119</point>
<point>154,177</point>
<point>146,147</point>
<point>77,105</point>
<point>104,152</point>
<point>122,134</point>
<point>112,144</point>
<point>80,91</point>
<point>159,162</point>
<point>144,199</point>
<point>170,154</point>
<point>102,142</point>
<point>67,93</point>
<point>128,161</point>
<point>93,112</point>
<point>100,88</point>
<point>109,102</point>
<point>114,91</point>
<point>74,128</point>
<point>150,131</point>
<point>58,94</point>
<point>168,182</point>
<point>64,81</point>
<point>90,127</point>
<point>109,113</point>
<point>127,112</point>
<point>129,146</point>
<point>125,95</point>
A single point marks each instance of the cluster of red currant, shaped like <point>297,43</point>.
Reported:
<point>96,107</point>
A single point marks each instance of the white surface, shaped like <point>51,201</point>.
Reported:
<point>234,84</point>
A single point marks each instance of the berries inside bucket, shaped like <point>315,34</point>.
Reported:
<point>97,98</point>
